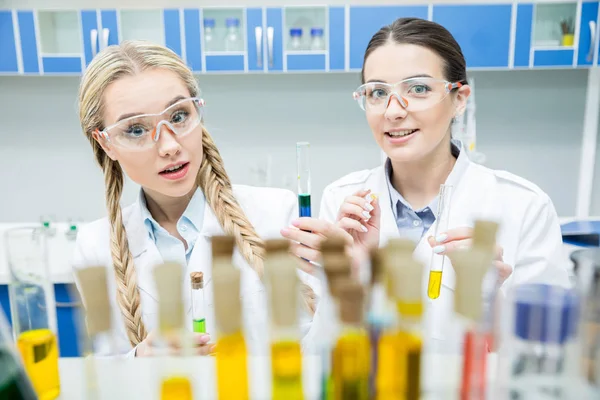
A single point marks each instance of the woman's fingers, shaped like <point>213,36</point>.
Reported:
<point>349,225</point>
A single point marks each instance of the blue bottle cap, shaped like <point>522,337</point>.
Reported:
<point>296,32</point>
<point>229,22</point>
<point>316,32</point>
<point>209,22</point>
<point>545,313</point>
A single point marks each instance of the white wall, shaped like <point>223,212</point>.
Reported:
<point>529,123</point>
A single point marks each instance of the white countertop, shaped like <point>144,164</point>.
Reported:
<point>140,378</point>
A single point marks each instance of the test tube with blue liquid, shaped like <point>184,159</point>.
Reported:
<point>303,165</point>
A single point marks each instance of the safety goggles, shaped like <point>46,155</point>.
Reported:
<point>414,94</point>
<point>143,131</point>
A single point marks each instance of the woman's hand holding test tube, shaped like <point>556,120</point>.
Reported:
<point>460,239</point>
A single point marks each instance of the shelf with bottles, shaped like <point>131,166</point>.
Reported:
<point>59,33</point>
<point>305,30</point>
<point>224,31</point>
<point>142,25</point>
<point>554,26</point>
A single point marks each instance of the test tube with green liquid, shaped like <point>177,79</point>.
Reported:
<point>198,306</point>
<point>303,166</point>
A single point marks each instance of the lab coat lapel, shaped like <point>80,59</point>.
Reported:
<point>145,254</point>
<point>389,229</point>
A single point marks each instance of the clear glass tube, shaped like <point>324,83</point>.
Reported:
<point>33,308</point>
<point>303,168</point>
<point>198,308</point>
<point>436,266</point>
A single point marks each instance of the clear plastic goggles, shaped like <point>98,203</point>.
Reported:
<point>414,94</point>
<point>143,131</point>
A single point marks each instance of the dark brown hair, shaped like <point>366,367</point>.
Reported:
<point>427,34</point>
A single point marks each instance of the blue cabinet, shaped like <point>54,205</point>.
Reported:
<point>366,21</point>
<point>485,39</point>
<point>8,49</point>
<point>497,36</point>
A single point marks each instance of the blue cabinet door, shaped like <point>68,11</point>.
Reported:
<point>366,21</point>
<point>524,26</point>
<point>274,35</point>
<point>172,23</point>
<point>587,33</point>
<point>108,19</point>
<point>255,32</point>
<point>89,32</point>
<point>485,38</point>
<point>8,48</point>
<point>193,43</point>
<point>337,39</point>
<point>29,48</point>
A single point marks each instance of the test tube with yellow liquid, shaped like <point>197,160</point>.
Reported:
<point>176,383</point>
<point>352,351</point>
<point>231,352</point>
<point>284,288</point>
<point>33,308</point>
<point>400,346</point>
<point>436,266</point>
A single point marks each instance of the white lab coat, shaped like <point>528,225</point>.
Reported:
<point>268,209</point>
<point>529,230</point>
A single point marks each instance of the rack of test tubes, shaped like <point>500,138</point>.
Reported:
<point>373,335</point>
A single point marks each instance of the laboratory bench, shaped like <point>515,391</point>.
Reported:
<point>140,378</point>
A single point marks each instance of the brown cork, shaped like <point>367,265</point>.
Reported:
<point>333,245</point>
<point>283,286</point>
<point>222,245</point>
<point>484,235</point>
<point>377,266</point>
<point>168,278</point>
<point>277,245</point>
<point>470,267</point>
<point>197,280</point>
<point>228,306</point>
<point>406,279</point>
<point>351,301</point>
<point>94,294</point>
<point>396,252</point>
<point>336,267</point>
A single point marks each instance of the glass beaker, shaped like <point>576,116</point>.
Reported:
<point>33,309</point>
<point>587,271</point>
<point>14,383</point>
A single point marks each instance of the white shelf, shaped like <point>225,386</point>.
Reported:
<point>59,32</point>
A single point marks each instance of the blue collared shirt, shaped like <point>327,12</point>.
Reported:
<point>413,224</point>
<point>189,225</point>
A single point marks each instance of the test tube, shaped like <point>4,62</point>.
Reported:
<point>441,225</point>
<point>351,354</point>
<point>176,384</point>
<point>198,304</point>
<point>232,355</point>
<point>33,308</point>
<point>303,167</point>
<point>283,288</point>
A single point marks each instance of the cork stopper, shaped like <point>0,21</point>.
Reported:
<point>336,267</point>
<point>351,301</point>
<point>470,267</point>
<point>333,244</point>
<point>484,235</point>
<point>168,278</point>
<point>197,280</point>
<point>406,284</point>
<point>222,246</point>
<point>284,289</point>
<point>276,245</point>
<point>394,254</point>
<point>377,266</point>
<point>228,306</point>
<point>94,294</point>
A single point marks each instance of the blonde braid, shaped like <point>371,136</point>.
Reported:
<point>215,183</point>
<point>128,294</point>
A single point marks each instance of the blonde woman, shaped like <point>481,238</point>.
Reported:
<point>140,110</point>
